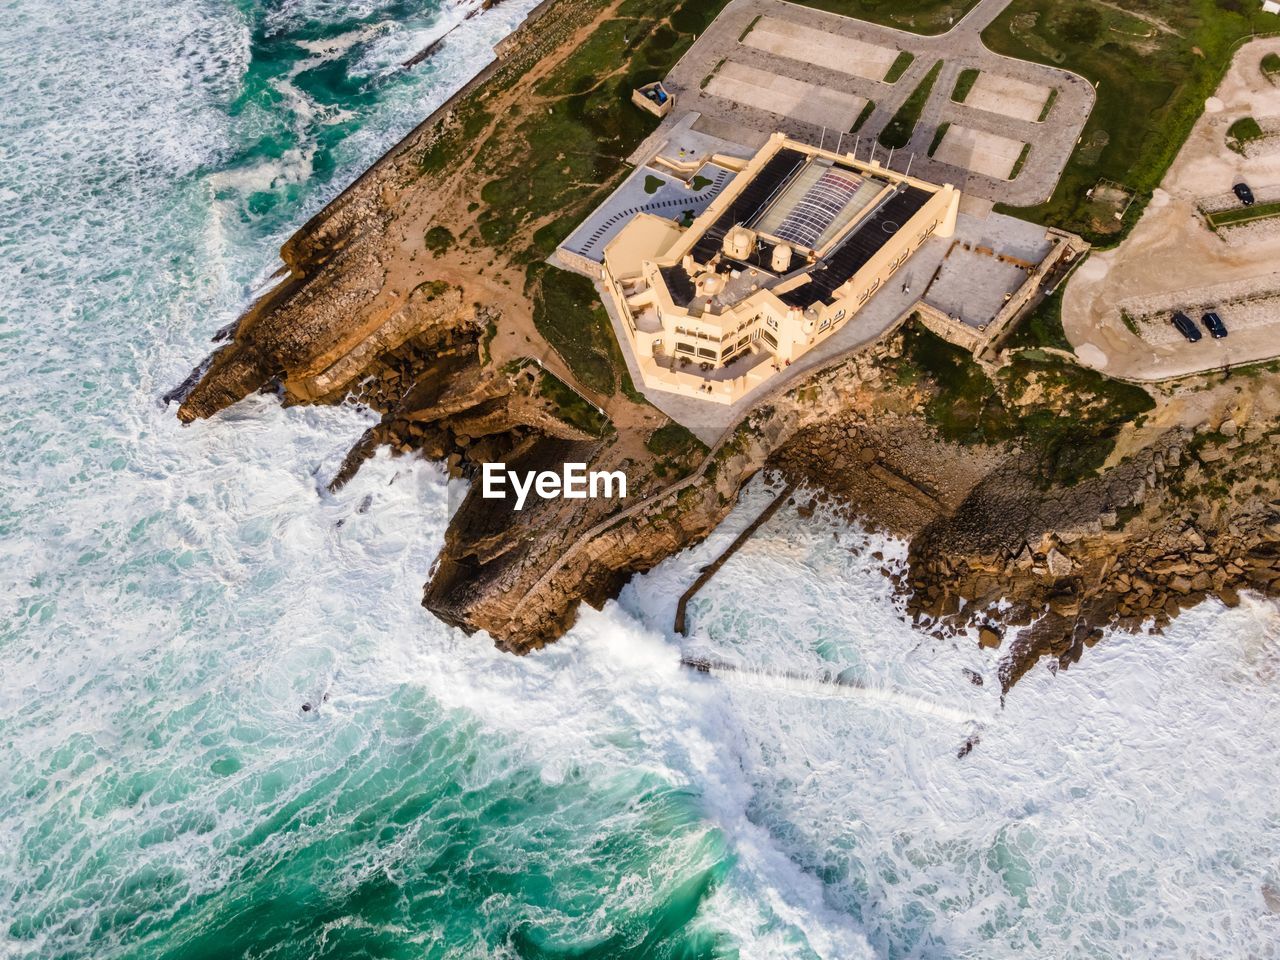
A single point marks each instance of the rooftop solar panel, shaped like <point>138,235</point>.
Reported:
<point>758,192</point>
<point>859,247</point>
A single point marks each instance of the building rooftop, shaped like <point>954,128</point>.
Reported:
<point>831,216</point>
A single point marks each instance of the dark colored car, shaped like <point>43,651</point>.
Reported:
<point>1244,193</point>
<point>1186,326</point>
<point>1213,323</point>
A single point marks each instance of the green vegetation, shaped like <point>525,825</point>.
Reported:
<point>714,71</point>
<point>1020,162</point>
<point>750,26</point>
<point>1270,65</point>
<point>674,439</point>
<point>652,184</point>
<point>898,131</point>
<point>900,65</point>
<point>567,311</point>
<point>919,16</point>
<point>438,240</point>
<point>964,83</point>
<point>1151,86</point>
<point>1041,327</point>
<point>1242,132</point>
<point>938,136</point>
<point>677,451</point>
<point>1071,427</point>
<point>699,182</point>
<point>864,116</point>
<point>1048,105</point>
<point>965,407</point>
<point>571,407</point>
<point>1241,215</point>
<point>543,169</point>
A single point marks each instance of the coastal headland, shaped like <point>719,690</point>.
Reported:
<point>1043,500</point>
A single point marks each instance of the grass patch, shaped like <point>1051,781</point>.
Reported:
<point>1270,65</point>
<point>674,439</point>
<point>1020,162</point>
<point>918,16</point>
<point>699,182</point>
<point>964,83</point>
<point>864,116</point>
<point>652,184</point>
<point>714,71</point>
<point>1241,215</point>
<point>543,169</point>
<point>750,26</point>
<point>1071,428</point>
<point>898,131</point>
<point>571,407</point>
<point>1151,88</point>
<point>438,240</point>
<point>1243,132</point>
<point>965,407</point>
<point>938,136</point>
<point>1040,327</point>
<point>568,312</point>
<point>1048,105</point>
<point>901,63</point>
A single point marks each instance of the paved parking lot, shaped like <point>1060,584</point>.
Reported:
<point>797,41</point>
<point>1008,96</point>
<point>979,150</point>
<point>1117,306</point>
<point>763,90</point>
<point>848,59</point>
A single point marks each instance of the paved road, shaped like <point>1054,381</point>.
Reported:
<point>961,48</point>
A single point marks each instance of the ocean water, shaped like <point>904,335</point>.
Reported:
<point>170,597</point>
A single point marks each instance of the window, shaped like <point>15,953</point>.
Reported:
<point>768,338</point>
<point>743,342</point>
<point>684,348</point>
<point>826,322</point>
<point>771,322</point>
<point>708,353</point>
<point>724,354</point>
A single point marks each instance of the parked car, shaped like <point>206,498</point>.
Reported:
<point>1186,326</point>
<point>1213,323</point>
<point>1244,193</point>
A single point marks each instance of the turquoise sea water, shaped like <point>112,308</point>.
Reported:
<point>170,597</point>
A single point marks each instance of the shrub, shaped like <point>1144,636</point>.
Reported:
<point>438,240</point>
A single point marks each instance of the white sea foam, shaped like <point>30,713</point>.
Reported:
<point>171,596</point>
<point>1116,809</point>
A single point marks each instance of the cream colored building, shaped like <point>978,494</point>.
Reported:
<point>784,257</point>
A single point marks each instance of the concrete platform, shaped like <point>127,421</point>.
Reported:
<point>982,152</point>
<point>797,41</point>
<point>1008,96</point>
<point>785,96</point>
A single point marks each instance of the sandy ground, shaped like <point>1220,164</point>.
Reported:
<point>1008,96</point>
<point>786,96</point>
<point>1172,260</point>
<point>842,54</point>
<point>977,150</point>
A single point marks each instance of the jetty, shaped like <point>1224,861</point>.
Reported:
<point>710,569</point>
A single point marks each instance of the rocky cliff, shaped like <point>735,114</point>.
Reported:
<point>1042,501</point>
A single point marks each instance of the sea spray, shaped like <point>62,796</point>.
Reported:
<point>174,596</point>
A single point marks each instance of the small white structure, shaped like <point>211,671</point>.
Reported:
<point>1270,6</point>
